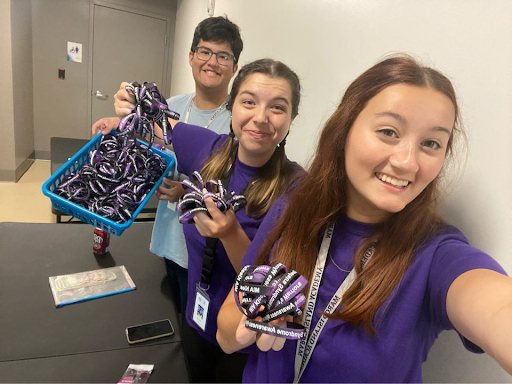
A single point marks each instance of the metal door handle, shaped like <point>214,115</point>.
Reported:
<point>100,95</point>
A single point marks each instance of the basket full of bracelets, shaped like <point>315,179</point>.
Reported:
<point>271,292</point>
<point>108,182</point>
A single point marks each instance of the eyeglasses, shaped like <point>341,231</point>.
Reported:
<point>223,58</point>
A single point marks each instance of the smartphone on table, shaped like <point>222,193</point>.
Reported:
<point>149,331</point>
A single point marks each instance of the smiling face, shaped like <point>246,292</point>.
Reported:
<point>395,148</point>
<point>261,117</point>
<point>209,75</point>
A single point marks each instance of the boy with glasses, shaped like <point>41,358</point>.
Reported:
<point>213,57</point>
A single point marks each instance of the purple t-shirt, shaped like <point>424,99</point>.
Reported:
<point>193,146</point>
<point>407,323</point>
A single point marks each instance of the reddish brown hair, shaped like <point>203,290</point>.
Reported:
<point>321,197</point>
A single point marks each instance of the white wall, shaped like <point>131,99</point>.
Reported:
<point>329,42</point>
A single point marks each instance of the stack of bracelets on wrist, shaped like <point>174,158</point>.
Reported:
<point>193,201</point>
<point>116,179</point>
<point>150,107</point>
<point>271,293</point>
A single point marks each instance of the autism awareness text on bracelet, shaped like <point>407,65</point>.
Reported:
<point>270,292</point>
<point>115,180</point>
<point>150,107</point>
<point>193,201</point>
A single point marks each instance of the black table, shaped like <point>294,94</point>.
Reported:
<point>83,342</point>
<point>61,150</point>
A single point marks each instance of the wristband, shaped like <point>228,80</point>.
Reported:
<point>150,107</point>
<point>115,180</point>
<point>288,308</point>
<point>270,292</point>
<point>193,201</point>
<point>292,331</point>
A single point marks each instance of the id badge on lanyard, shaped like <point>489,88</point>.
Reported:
<point>202,302</point>
<point>306,346</point>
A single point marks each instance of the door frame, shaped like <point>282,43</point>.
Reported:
<point>167,64</point>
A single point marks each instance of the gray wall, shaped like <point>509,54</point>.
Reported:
<point>21,16</point>
<point>35,104</point>
<point>16,106</point>
<point>6,103</point>
<point>60,107</point>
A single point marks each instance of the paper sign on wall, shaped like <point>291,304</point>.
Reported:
<point>74,52</point>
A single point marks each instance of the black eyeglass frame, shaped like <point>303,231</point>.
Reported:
<point>216,54</point>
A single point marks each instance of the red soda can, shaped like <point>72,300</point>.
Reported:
<point>101,241</point>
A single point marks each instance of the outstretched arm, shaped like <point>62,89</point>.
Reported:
<point>479,305</point>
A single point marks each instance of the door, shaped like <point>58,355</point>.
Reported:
<point>126,47</point>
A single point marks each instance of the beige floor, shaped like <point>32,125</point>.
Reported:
<point>24,201</point>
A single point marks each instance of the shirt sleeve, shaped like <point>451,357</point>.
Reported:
<point>193,145</point>
<point>453,257</point>
<point>267,225</point>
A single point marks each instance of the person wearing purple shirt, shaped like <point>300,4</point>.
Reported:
<point>362,228</point>
<point>250,160</point>
<point>192,146</point>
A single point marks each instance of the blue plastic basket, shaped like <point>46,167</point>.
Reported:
<point>89,217</point>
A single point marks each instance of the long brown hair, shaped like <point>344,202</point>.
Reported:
<point>274,178</point>
<point>322,196</point>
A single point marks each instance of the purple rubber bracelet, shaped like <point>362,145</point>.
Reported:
<point>293,289</point>
<point>292,331</point>
<point>271,293</point>
<point>150,107</point>
<point>188,217</point>
<point>288,308</point>
<point>115,179</point>
<point>188,205</point>
<point>284,281</point>
<point>241,277</point>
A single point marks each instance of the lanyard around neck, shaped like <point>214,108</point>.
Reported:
<point>212,117</point>
<point>306,346</point>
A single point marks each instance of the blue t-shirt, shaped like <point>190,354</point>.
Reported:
<point>407,323</point>
<point>167,239</point>
<point>193,146</point>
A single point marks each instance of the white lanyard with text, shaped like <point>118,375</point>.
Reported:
<point>305,346</point>
<point>214,115</point>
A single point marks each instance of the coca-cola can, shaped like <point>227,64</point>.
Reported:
<point>101,241</point>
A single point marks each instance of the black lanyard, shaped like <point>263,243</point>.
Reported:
<point>210,250</point>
